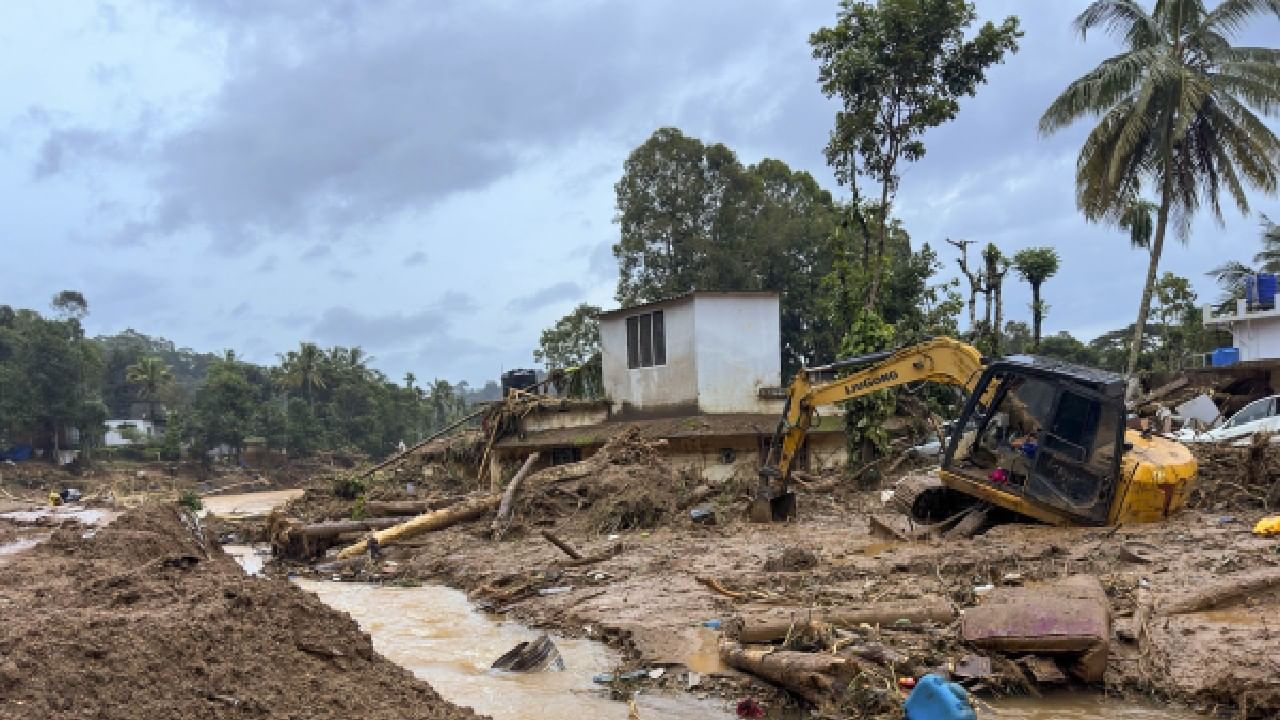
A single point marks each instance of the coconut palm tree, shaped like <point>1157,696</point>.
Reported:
<point>1179,110</point>
<point>1231,274</point>
<point>151,376</point>
<point>303,368</point>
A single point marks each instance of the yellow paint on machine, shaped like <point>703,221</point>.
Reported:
<point>1157,476</point>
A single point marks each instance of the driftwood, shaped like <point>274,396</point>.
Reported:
<point>809,675</point>
<point>430,522</point>
<point>590,559</point>
<point>291,538</point>
<point>340,527</point>
<point>1224,590</point>
<point>564,547</point>
<point>760,624</point>
<point>503,518</point>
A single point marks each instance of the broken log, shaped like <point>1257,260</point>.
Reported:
<point>339,527</point>
<point>383,508</point>
<point>1223,590</point>
<point>503,518</point>
<point>590,559</point>
<point>430,522</point>
<point>809,675</point>
<point>564,547</point>
<point>761,624</point>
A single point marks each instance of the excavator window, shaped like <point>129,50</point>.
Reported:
<point>1047,440</point>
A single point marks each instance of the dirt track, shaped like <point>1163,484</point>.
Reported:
<point>148,618</point>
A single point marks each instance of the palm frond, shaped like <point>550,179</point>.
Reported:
<point>1230,16</point>
<point>1123,18</point>
<point>1098,90</point>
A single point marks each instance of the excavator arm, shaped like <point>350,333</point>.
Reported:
<point>940,360</point>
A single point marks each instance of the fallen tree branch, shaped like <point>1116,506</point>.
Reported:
<point>809,675</point>
<point>564,547</point>
<point>590,559</point>
<point>715,585</point>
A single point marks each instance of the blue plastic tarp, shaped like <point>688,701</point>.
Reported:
<point>17,453</point>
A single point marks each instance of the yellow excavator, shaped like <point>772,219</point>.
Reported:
<point>1036,437</point>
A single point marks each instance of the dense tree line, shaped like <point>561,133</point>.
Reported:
<point>57,386</point>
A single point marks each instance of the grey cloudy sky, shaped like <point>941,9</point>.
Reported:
<point>433,180</point>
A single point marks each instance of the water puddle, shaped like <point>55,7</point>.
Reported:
<point>436,633</point>
<point>62,513</point>
<point>243,505</point>
<point>1076,706</point>
<point>250,557</point>
<point>13,547</point>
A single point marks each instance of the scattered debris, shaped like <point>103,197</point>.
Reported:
<point>535,656</point>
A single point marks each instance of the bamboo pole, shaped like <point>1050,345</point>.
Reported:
<point>430,522</point>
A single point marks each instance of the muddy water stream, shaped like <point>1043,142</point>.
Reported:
<point>434,632</point>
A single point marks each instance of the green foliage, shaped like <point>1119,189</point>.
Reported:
<point>865,416</point>
<point>1036,265</point>
<point>899,68</point>
<point>347,487</point>
<point>570,350</point>
<point>1231,274</point>
<point>692,217</point>
<point>151,376</point>
<point>49,378</point>
<point>125,349</point>
<point>1180,112</point>
<point>190,499</point>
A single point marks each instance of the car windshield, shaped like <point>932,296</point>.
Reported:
<point>1253,411</point>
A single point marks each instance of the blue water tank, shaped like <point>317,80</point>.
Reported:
<point>936,699</point>
<point>1223,357</point>
<point>1266,290</point>
<point>1251,290</point>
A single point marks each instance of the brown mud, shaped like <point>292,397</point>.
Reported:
<point>148,618</point>
<point>653,598</point>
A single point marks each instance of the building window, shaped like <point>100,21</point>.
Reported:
<point>646,340</point>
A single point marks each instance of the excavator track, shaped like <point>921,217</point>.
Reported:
<point>924,498</point>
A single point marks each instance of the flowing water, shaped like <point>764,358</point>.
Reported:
<point>436,633</point>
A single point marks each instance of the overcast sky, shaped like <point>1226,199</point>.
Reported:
<point>433,181</point>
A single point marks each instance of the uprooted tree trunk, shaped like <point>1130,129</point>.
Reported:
<point>757,624</point>
<point>430,522</point>
<point>1225,589</point>
<point>808,675</point>
<point>503,518</point>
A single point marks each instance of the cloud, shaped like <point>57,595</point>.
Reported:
<point>549,295</point>
<point>415,259</point>
<point>336,114</point>
<point>66,145</point>
<point>344,326</point>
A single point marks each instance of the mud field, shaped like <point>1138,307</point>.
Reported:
<point>1192,600</point>
<point>148,618</point>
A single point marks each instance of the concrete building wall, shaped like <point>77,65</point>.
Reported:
<point>738,347</point>
<point>1257,338</point>
<point>571,418</point>
<point>651,389</point>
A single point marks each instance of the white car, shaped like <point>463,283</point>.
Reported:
<point>1258,416</point>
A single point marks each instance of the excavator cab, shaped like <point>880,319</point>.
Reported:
<point>1040,438</point>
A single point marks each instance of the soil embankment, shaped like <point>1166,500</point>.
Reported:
<point>148,618</point>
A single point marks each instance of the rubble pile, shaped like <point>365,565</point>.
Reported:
<point>1234,476</point>
<point>625,485</point>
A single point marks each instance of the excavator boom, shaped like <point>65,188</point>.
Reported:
<point>940,360</point>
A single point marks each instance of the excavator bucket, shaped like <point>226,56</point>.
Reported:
<point>779,508</point>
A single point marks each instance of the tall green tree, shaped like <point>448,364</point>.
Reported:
<point>1179,112</point>
<point>304,369</point>
<point>899,68</point>
<point>1035,265</point>
<point>692,217</point>
<point>151,377</point>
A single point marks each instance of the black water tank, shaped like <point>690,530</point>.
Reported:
<point>518,380</point>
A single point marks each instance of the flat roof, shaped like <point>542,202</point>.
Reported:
<point>689,296</point>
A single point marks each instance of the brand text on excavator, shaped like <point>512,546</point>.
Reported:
<point>871,382</point>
